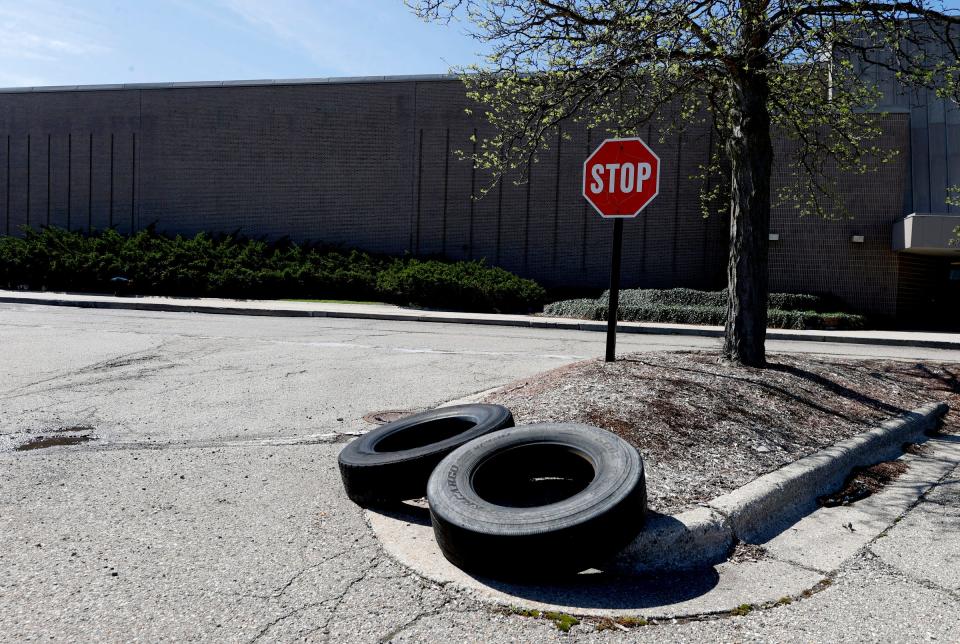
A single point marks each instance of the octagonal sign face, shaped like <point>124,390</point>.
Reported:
<point>621,177</point>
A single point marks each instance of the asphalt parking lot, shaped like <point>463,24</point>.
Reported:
<point>209,504</point>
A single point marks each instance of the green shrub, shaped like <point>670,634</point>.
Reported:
<point>670,297</point>
<point>468,286</point>
<point>796,302</point>
<point>14,261</point>
<point>691,297</point>
<point>234,266</point>
<point>686,306</point>
<point>584,309</point>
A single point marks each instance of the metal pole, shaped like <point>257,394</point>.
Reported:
<point>614,290</point>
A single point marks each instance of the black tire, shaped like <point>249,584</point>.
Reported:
<point>393,462</point>
<point>537,500</point>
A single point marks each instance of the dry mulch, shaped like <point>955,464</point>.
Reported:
<point>864,482</point>
<point>705,427</point>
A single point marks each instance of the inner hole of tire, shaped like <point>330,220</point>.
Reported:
<point>533,475</point>
<point>432,431</point>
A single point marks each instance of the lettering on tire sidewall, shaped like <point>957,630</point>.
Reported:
<point>455,489</point>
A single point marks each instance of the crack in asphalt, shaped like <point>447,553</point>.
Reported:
<point>94,368</point>
<point>374,562</point>
<point>325,438</point>
<point>283,588</point>
<point>416,618</point>
<point>338,599</point>
<point>381,557</point>
<point>419,598</point>
<point>172,351</point>
<point>86,375</point>
<point>800,566</point>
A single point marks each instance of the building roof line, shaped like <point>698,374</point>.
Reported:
<point>281,82</point>
<point>232,83</point>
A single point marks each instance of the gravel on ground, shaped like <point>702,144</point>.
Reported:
<point>705,427</point>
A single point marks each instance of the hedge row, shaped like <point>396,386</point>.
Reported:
<point>698,314</point>
<point>238,267</point>
<point>690,297</point>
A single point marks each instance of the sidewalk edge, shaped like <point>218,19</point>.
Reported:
<point>769,504</point>
<point>571,324</point>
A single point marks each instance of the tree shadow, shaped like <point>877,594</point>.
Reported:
<point>949,380</point>
<point>947,438</point>
<point>831,386</point>
<point>838,389</point>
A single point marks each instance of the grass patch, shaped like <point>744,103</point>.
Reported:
<point>631,622</point>
<point>524,612</point>
<point>742,609</point>
<point>562,621</point>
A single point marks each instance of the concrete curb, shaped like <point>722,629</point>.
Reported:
<point>793,563</point>
<point>230,307</point>
<point>766,506</point>
<point>693,539</point>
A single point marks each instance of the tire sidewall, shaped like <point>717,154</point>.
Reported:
<point>486,418</point>
<point>577,533</point>
<point>373,478</point>
<point>454,499</point>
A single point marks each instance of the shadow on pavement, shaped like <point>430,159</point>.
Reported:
<point>607,591</point>
<point>408,511</point>
<point>591,589</point>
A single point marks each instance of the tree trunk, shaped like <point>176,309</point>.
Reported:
<point>751,157</point>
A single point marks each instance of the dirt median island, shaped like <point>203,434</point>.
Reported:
<point>705,428</point>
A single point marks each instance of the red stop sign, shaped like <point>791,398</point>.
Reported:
<point>621,177</point>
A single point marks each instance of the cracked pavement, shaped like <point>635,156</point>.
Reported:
<point>209,506</point>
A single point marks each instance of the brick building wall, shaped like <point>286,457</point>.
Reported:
<point>816,254</point>
<point>373,164</point>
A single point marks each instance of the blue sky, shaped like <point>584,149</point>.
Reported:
<point>74,42</point>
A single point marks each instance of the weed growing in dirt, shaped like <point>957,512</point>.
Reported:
<point>620,623</point>
<point>562,621</point>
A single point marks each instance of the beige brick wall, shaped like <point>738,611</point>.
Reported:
<point>373,165</point>
<point>816,255</point>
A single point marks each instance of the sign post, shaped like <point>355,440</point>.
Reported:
<point>620,179</point>
<point>614,303</point>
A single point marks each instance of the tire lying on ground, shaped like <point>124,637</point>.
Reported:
<point>393,462</point>
<point>537,500</point>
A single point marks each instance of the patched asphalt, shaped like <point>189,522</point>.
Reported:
<point>209,505</point>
